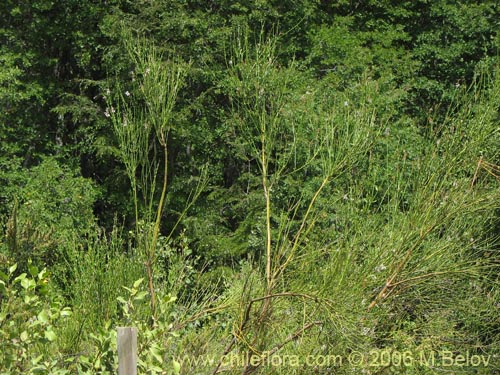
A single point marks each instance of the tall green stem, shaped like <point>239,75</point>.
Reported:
<point>156,231</point>
<point>267,195</point>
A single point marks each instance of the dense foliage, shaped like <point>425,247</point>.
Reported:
<point>282,180</point>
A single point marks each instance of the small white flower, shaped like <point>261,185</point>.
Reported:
<point>147,71</point>
<point>127,93</point>
<point>380,268</point>
<point>108,91</point>
<point>346,103</point>
<point>106,113</point>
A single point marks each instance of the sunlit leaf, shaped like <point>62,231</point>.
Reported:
<point>43,316</point>
<point>177,366</point>
<point>140,296</point>
<point>50,335</point>
<point>138,282</point>
<point>121,300</point>
<point>12,268</point>
<point>66,312</point>
<point>24,336</point>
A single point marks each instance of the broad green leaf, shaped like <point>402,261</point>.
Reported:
<point>127,289</point>
<point>169,298</point>
<point>50,335</point>
<point>12,268</point>
<point>33,270</point>
<point>155,369</point>
<point>177,366</point>
<point>97,363</point>
<point>34,361</point>
<point>3,276</point>
<point>43,316</point>
<point>25,283</point>
<point>138,282</point>
<point>66,312</point>
<point>24,336</point>
<point>42,274</point>
<point>20,277</point>
<point>155,351</point>
<point>140,296</point>
<point>30,299</point>
<point>84,359</point>
<point>121,300</point>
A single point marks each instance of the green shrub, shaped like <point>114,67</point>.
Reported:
<point>30,318</point>
<point>52,212</point>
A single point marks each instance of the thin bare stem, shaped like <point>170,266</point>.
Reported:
<point>250,369</point>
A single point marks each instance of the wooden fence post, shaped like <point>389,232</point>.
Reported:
<point>127,350</point>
